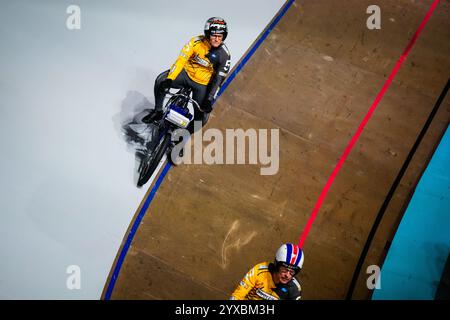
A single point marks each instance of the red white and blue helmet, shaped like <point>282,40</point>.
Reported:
<point>290,256</point>
<point>216,25</point>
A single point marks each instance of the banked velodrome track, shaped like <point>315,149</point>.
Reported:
<point>313,78</point>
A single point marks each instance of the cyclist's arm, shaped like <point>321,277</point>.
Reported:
<point>244,287</point>
<point>297,291</point>
<point>219,75</point>
<point>184,56</point>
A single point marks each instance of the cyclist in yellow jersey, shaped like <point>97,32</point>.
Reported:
<point>202,65</point>
<point>273,281</point>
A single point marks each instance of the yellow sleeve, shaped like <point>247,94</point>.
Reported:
<point>244,287</point>
<point>184,56</point>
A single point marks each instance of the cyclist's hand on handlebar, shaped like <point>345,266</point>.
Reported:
<point>207,106</point>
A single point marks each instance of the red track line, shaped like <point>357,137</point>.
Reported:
<point>362,125</point>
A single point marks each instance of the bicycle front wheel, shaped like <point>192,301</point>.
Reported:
<point>150,162</point>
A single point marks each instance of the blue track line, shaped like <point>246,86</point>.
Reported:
<point>255,46</point>
<point>133,230</point>
<point>150,197</point>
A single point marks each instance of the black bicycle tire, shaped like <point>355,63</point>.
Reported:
<point>144,176</point>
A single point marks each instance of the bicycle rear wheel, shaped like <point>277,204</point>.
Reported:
<point>150,162</point>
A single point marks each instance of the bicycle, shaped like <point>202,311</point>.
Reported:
<point>176,115</point>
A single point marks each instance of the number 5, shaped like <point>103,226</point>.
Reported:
<point>227,65</point>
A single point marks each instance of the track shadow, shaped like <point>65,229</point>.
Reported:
<point>131,123</point>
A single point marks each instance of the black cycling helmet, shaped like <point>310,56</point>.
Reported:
<point>216,25</point>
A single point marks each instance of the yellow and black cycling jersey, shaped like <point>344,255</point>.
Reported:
<point>204,64</point>
<point>258,285</point>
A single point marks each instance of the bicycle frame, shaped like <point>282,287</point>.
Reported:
<point>166,127</point>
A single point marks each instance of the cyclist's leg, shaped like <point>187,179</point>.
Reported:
<point>178,83</point>
<point>181,81</point>
<point>159,95</point>
<point>199,92</point>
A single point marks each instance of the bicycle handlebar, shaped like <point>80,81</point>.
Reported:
<point>186,96</point>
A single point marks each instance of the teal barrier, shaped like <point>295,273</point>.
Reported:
<point>416,259</point>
